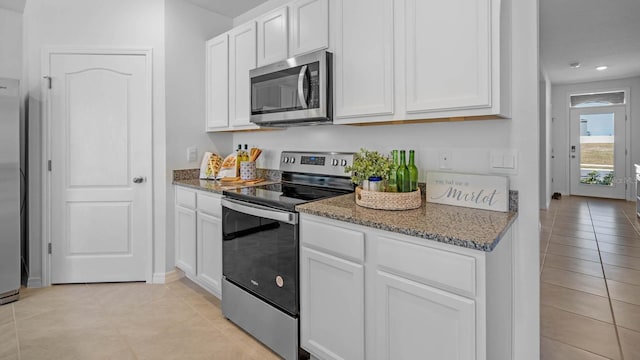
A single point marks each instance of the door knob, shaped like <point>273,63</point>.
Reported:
<point>138,179</point>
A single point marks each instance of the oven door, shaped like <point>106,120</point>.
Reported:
<point>292,91</point>
<point>260,252</point>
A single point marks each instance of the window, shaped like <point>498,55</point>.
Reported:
<point>599,99</point>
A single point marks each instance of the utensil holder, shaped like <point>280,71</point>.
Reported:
<point>248,170</point>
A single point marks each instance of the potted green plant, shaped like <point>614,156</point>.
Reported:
<point>370,170</point>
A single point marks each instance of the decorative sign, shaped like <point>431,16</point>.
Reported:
<point>469,190</point>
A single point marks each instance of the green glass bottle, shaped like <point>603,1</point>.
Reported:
<point>402,174</point>
<point>393,184</point>
<point>413,171</point>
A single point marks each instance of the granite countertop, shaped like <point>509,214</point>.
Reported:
<point>469,228</point>
<point>214,186</point>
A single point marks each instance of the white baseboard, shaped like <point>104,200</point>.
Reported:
<point>169,276</point>
<point>34,282</point>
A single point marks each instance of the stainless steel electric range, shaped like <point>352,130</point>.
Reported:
<point>260,249</point>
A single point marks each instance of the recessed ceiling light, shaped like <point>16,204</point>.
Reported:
<point>575,65</point>
<point>602,67</point>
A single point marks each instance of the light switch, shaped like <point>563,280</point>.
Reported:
<point>503,161</point>
<point>192,154</point>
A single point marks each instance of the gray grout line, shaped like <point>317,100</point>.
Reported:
<point>604,274</point>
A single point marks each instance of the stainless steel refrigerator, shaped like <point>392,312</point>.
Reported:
<point>9,190</point>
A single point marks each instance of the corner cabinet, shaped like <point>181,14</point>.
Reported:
<point>421,299</point>
<point>198,237</point>
<point>217,83</point>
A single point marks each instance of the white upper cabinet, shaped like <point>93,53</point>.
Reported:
<point>217,82</point>
<point>273,36</point>
<point>454,59</point>
<point>448,62</point>
<point>242,58</point>
<point>362,39</point>
<point>309,26</point>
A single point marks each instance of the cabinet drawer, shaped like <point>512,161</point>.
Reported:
<point>209,204</point>
<point>332,239</point>
<point>440,268</point>
<point>185,198</point>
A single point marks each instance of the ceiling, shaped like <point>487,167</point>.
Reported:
<point>228,8</point>
<point>15,5</point>
<point>592,32</point>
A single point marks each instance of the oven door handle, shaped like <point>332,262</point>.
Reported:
<point>261,211</point>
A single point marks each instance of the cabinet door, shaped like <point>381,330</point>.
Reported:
<point>273,38</point>
<point>363,40</point>
<point>416,321</point>
<point>331,306</point>
<point>185,227</point>
<point>309,26</point>
<point>217,82</point>
<point>209,230</point>
<point>448,54</point>
<point>242,58</point>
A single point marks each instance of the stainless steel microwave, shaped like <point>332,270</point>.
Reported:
<point>296,91</point>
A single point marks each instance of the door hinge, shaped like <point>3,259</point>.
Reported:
<point>49,248</point>
<point>49,165</point>
<point>48,78</point>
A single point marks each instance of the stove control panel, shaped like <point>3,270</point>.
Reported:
<point>324,163</point>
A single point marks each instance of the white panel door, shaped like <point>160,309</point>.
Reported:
<point>448,54</point>
<point>416,321</point>
<point>331,306</point>
<point>209,249</point>
<point>217,75</point>
<point>273,37</point>
<point>363,57</point>
<point>309,26</point>
<point>100,134</point>
<point>242,58</point>
<point>185,229</point>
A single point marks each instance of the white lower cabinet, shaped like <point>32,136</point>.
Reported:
<point>198,237</point>
<point>331,305</point>
<point>421,299</point>
<point>411,318</point>
<point>185,226</point>
<point>209,241</point>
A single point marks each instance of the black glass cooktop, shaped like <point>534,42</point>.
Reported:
<point>283,195</point>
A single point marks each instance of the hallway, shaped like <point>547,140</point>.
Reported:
<point>590,280</point>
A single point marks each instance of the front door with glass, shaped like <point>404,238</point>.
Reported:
<point>597,152</point>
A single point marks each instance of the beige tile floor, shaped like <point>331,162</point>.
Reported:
<point>590,280</point>
<point>122,321</point>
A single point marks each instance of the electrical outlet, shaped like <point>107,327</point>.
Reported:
<point>192,154</point>
<point>445,160</point>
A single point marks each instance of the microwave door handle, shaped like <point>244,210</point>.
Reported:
<point>301,95</point>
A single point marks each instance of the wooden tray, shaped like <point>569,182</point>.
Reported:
<point>388,200</point>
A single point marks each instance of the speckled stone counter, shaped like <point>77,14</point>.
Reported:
<point>470,228</point>
<point>214,186</point>
<point>189,178</point>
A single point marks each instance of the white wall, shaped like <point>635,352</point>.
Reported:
<point>560,133</point>
<point>187,27</point>
<point>10,44</point>
<point>545,141</point>
<point>95,24</point>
